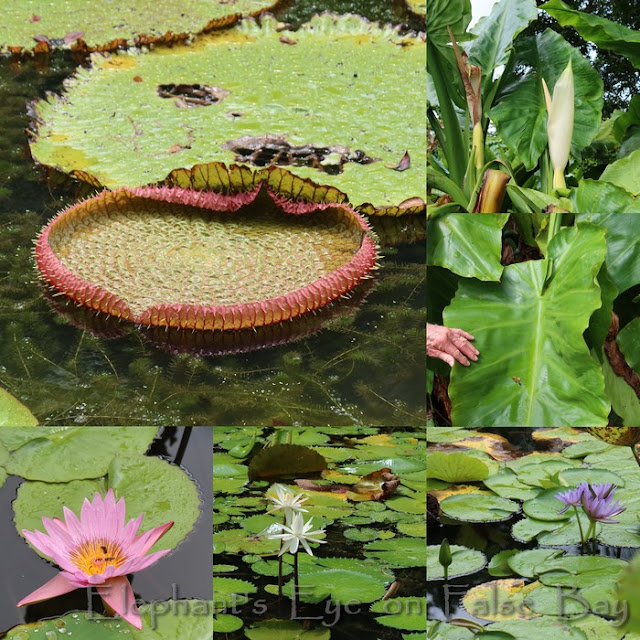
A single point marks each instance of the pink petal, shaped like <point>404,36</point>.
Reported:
<point>118,594</point>
<point>57,586</point>
<point>145,541</point>
<point>138,564</point>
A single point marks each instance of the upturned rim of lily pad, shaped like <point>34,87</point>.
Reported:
<point>224,190</point>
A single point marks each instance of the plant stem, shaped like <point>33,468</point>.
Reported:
<point>295,582</point>
<point>579,524</point>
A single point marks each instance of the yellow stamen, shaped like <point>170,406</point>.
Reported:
<point>94,556</point>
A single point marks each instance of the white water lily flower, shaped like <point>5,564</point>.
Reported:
<point>286,500</point>
<point>560,122</point>
<point>297,531</point>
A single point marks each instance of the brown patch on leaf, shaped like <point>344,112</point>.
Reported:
<point>71,37</point>
<point>376,486</point>
<point>286,40</point>
<point>192,95</point>
<point>137,79</point>
<point>35,18</point>
<point>617,359</point>
<point>267,150</point>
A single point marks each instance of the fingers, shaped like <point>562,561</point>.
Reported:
<point>457,354</point>
<point>464,345</point>
<point>468,336</point>
<point>441,355</point>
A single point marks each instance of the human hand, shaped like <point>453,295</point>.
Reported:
<point>450,345</point>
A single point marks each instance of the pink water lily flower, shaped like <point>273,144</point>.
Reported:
<point>97,550</point>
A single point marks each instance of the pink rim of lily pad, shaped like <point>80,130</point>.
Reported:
<point>310,297</point>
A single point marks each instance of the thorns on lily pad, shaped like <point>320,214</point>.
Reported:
<point>99,550</point>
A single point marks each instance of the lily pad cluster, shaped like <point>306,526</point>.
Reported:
<point>386,527</point>
<point>542,572</point>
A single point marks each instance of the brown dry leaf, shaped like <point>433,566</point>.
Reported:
<point>286,40</point>
<point>377,486</point>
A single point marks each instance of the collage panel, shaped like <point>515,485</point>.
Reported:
<point>104,532</point>
<point>319,532</point>
<point>533,214</point>
<point>269,267</point>
<point>533,530</point>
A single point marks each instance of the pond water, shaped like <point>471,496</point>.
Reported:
<point>181,574</point>
<point>365,367</point>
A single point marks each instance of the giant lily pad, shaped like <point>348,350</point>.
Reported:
<point>337,100</point>
<point>13,413</point>
<point>546,377</point>
<point>226,258</point>
<point>104,26</point>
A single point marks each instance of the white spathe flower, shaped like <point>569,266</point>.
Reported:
<point>286,500</point>
<point>560,122</point>
<point>297,531</point>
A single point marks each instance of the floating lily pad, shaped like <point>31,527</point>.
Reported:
<point>455,467</point>
<point>448,631</point>
<point>200,259</point>
<point>409,614</point>
<point>166,620</point>
<point>285,459</point>
<point>398,552</point>
<point>499,600</point>
<point>573,477</point>
<point>163,492</point>
<point>547,506</point>
<point>554,601</point>
<point>507,485</point>
<point>464,562</point>
<point>285,630</point>
<point>538,627</point>
<point>73,453</point>
<point>478,508</point>
<point>580,571</point>
<point>228,592</point>
<point>526,563</point>
<point>226,623</point>
<point>42,26</point>
<point>110,128</point>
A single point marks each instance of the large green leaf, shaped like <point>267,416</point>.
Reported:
<point>596,196</point>
<point>112,24</point>
<point>605,33</point>
<point>625,173</point>
<point>447,13</point>
<point>464,562</point>
<point>520,114</point>
<point>623,249</point>
<point>75,453</point>
<point>13,413</point>
<point>629,342</point>
<point>534,367</point>
<point>344,83</point>
<point>496,33</point>
<point>469,245</point>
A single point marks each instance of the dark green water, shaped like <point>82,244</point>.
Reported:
<point>366,367</point>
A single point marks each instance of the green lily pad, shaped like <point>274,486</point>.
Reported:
<point>413,529</point>
<point>409,614</point>
<point>116,24</point>
<point>455,467</point>
<point>538,627</point>
<point>344,65</point>
<point>161,621</point>
<point>230,592</point>
<point>580,571</point>
<point>506,484</point>
<point>478,508</point>
<point>498,600</point>
<point>235,541</point>
<point>464,562</point>
<point>630,592</point>
<point>398,552</point>
<point>546,506</point>
<point>285,459</point>
<point>448,631</point>
<point>542,474</point>
<point>13,413</point>
<point>284,630</point>
<point>498,565</point>
<point>573,477</point>
<point>344,580</point>
<point>163,492</point>
<point>526,563</point>
<point>74,453</point>
<point>360,534</point>
<point>552,601</point>
<point>270,568</point>
<point>226,623</point>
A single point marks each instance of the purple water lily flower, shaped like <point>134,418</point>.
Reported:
<point>598,504</point>
<point>572,497</point>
